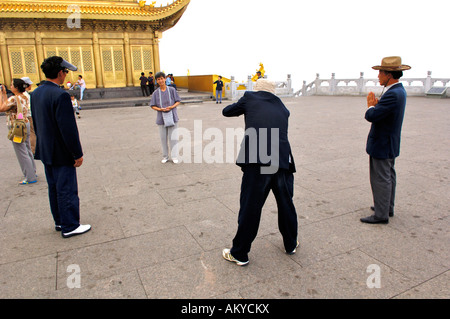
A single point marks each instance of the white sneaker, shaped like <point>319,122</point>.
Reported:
<point>175,160</point>
<point>78,231</point>
<point>164,160</point>
<point>227,255</point>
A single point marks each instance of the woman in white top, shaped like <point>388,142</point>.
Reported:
<point>82,86</point>
<point>23,150</point>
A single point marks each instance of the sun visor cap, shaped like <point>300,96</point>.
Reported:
<point>68,66</point>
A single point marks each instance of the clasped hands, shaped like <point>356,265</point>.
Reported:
<point>371,99</point>
<point>164,109</point>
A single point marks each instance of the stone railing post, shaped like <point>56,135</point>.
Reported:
<point>428,82</point>
<point>333,83</point>
<point>289,84</point>
<point>316,84</point>
<point>233,89</point>
<point>361,84</point>
<point>249,83</point>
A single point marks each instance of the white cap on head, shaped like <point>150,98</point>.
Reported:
<point>265,85</point>
<point>27,80</point>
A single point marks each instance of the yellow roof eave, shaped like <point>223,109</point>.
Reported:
<point>92,10</point>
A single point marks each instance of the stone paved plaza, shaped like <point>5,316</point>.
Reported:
<point>158,230</point>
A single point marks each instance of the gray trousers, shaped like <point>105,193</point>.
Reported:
<point>169,134</point>
<point>383,181</point>
<point>25,157</point>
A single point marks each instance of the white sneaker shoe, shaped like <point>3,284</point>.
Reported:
<point>164,160</point>
<point>78,231</point>
<point>227,255</point>
<point>175,160</point>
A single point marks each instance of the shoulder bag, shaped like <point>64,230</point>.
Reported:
<point>18,131</point>
<point>167,116</point>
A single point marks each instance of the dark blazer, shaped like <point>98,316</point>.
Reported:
<point>263,110</point>
<point>57,138</point>
<point>386,117</point>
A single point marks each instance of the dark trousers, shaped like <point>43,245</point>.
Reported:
<point>383,180</point>
<point>255,188</point>
<point>151,88</point>
<point>145,90</point>
<point>63,196</point>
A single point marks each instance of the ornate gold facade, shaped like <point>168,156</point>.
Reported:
<point>111,42</point>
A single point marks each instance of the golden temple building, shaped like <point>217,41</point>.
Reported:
<point>111,42</point>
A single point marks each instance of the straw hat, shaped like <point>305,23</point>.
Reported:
<point>392,63</point>
<point>265,85</point>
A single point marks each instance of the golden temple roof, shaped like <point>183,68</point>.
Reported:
<point>111,10</point>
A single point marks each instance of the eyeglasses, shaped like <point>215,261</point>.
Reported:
<point>65,71</point>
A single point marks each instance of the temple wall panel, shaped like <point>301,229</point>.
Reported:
<point>111,46</point>
<point>23,62</point>
<point>113,66</point>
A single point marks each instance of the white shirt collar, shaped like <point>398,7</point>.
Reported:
<point>389,86</point>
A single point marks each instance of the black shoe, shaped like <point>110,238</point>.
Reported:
<point>390,214</point>
<point>374,220</point>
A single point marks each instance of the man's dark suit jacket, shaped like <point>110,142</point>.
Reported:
<point>263,110</point>
<point>386,117</point>
<point>58,141</point>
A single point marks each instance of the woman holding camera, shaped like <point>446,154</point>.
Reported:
<point>23,150</point>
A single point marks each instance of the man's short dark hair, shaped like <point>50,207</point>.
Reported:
<point>395,74</point>
<point>51,67</point>
<point>160,75</point>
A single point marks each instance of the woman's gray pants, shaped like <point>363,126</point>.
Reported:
<point>26,158</point>
<point>169,134</point>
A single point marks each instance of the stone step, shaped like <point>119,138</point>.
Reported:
<point>186,98</point>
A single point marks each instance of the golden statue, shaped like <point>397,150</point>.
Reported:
<point>261,70</point>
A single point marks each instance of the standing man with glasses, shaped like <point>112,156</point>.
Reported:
<point>58,145</point>
<point>383,143</point>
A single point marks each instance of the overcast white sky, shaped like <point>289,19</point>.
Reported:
<point>302,38</point>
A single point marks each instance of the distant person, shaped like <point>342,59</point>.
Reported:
<point>58,146</point>
<point>82,85</point>
<point>219,88</point>
<point>165,99</point>
<point>23,150</point>
<point>383,143</point>
<point>76,108</point>
<point>266,122</point>
<point>172,82</point>
<point>168,80</point>
<point>29,83</point>
<point>144,88</point>
<point>151,83</point>
<point>258,74</point>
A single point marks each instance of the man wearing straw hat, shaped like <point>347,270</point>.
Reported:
<point>383,143</point>
<point>266,127</point>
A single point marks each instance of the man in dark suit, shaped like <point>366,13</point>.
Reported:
<point>58,146</point>
<point>267,164</point>
<point>383,142</point>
